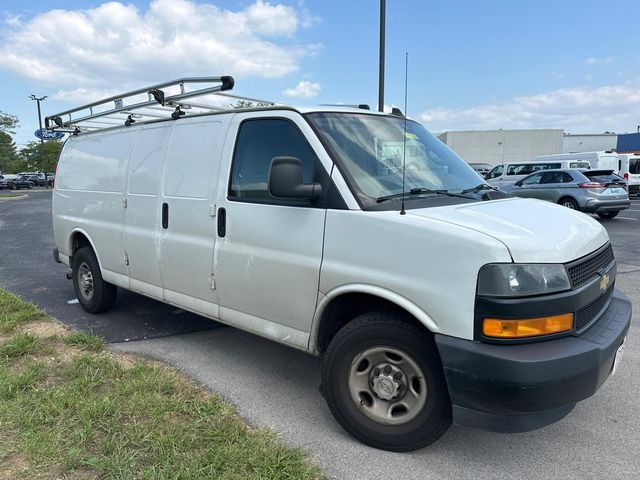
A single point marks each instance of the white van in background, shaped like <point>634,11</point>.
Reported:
<point>606,160</point>
<point>629,169</point>
<point>507,174</point>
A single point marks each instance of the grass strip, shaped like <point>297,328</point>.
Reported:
<point>69,409</point>
<point>14,310</point>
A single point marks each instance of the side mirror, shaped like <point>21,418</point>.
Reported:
<point>518,183</point>
<point>285,180</point>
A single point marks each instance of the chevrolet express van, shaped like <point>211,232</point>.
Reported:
<point>431,297</point>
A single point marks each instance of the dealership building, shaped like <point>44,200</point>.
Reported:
<point>499,146</point>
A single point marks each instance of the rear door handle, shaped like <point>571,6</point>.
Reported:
<point>165,215</point>
<point>222,222</point>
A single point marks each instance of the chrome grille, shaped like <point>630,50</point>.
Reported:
<point>583,270</point>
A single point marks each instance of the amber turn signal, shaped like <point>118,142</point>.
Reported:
<point>530,327</point>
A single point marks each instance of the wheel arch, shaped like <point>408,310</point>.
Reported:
<point>80,238</point>
<point>567,197</point>
<point>345,303</point>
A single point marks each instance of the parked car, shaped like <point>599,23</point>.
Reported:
<point>37,178</point>
<point>506,174</point>
<point>15,182</point>
<point>51,179</point>
<point>428,299</point>
<point>591,191</point>
<point>481,168</point>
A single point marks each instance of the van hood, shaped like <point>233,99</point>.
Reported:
<point>534,231</point>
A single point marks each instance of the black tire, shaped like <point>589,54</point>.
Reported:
<point>94,294</point>
<point>343,362</point>
<point>569,203</point>
<point>14,186</point>
<point>608,215</point>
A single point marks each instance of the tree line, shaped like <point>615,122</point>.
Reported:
<point>33,157</point>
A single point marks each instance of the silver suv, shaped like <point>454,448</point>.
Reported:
<point>591,191</point>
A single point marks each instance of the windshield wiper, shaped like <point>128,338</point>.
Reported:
<point>478,188</point>
<point>419,191</point>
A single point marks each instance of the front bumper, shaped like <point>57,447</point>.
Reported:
<point>527,386</point>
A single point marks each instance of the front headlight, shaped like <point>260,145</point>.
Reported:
<point>515,280</point>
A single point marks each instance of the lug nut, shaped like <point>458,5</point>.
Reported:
<point>387,369</point>
<point>376,371</point>
<point>397,376</point>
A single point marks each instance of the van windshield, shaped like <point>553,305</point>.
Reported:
<point>370,149</point>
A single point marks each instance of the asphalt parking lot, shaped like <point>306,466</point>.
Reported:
<point>276,386</point>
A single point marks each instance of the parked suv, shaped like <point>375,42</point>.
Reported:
<point>15,182</point>
<point>591,191</point>
<point>37,178</point>
<point>430,296</point>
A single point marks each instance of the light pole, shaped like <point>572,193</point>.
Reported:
<point>383,8</point>
<point>41,99</point>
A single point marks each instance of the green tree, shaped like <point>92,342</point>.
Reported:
<point>8,151</point>
<point>8,122</point>
<point>40,157</point>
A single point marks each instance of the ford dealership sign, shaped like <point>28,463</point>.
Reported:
<point>45,134</point>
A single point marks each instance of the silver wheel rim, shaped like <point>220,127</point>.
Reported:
<point>568,205</point>
<point>387,385</point>
<point>85,281</point>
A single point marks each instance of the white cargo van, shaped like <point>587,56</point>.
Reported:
<point>507,174</point>
<point>606,160</point>
<point>430,296</point>
<point>629,169</point>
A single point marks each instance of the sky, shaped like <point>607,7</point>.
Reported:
<point>473,65</point>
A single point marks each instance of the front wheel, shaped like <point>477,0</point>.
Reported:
<point>383,381</point>
<point>608,215</point>
<point>94,294</point>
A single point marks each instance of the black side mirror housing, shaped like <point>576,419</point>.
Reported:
<point>285,180</point>
<point>518,183</point>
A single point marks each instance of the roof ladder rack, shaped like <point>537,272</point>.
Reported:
<point>162,101</point>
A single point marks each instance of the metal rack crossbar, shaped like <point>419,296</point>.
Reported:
<point>128,108</point>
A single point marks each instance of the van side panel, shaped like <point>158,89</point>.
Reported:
<point>189,191</point>
<point>89,195</point>
<point>142,215</point>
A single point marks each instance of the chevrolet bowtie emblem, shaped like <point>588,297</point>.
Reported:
<point>604,282</point>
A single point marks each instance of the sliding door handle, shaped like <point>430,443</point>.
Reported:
<point>222,222</point>
<point>165,215</point>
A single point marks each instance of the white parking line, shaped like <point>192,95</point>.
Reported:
<point>627,218</point>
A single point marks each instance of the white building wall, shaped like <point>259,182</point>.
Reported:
<point>589,142</point>
<point>499,146</point>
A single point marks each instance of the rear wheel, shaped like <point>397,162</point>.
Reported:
<point>569,203</point>
<point>383,381</point>
<point>14,186</point>
<point>94,294</point>
<point>608,215</point>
